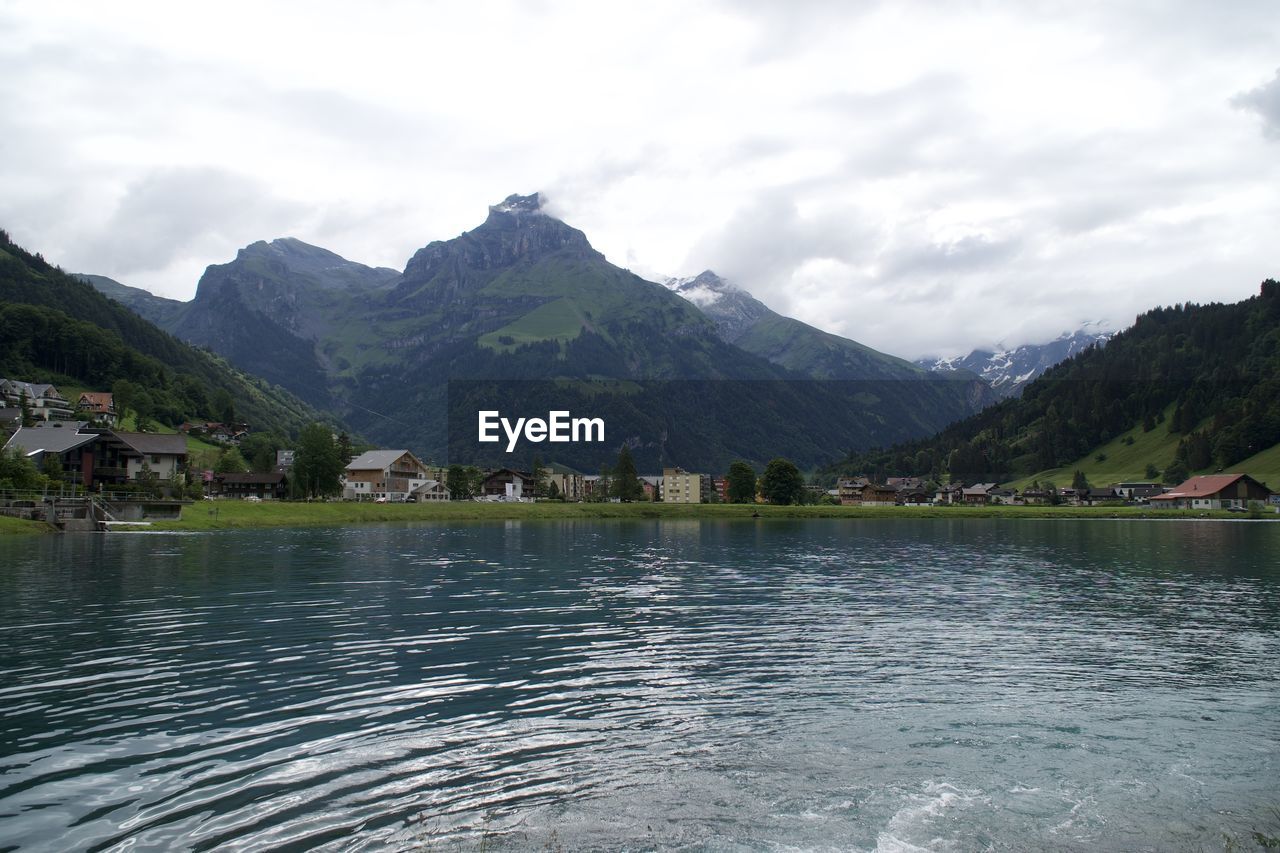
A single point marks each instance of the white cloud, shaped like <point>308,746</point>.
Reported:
<point>923,177</point>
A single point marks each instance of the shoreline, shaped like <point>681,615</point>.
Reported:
<point>237,515</point>
<point>242,515</point>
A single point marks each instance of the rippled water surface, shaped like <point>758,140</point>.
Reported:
<point>844,685</point>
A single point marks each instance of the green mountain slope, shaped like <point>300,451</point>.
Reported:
<point>55,327</point>
<point>1196,385</point>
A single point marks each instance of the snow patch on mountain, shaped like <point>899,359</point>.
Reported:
<point>1008,371</point>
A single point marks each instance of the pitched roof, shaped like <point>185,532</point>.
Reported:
<point>48,440</point>
<point>1204,486</point>
<point>372,460</point>
<point>97,398</point>
<point>148,443</point>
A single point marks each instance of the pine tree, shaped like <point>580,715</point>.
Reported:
<point>626,485</point>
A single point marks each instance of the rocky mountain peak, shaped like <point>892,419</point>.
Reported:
<point>516,205</point>
<point>517,230</point>
<point>732,309</point>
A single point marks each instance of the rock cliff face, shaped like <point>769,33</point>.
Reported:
<point>732,309</point>
<point>516,231</point>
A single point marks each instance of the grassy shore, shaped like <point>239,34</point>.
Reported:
<point>231,514</point>
<point>10,526</point>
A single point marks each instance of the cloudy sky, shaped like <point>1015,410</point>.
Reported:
<point>923,177</point>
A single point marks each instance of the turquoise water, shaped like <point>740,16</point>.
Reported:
<point>819,685</point>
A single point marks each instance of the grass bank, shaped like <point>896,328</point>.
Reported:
<point>19,526</point>
<point>231,514</point>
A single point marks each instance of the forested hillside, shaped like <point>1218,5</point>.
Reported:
<point>56,328</point>
<point>1214,368</point>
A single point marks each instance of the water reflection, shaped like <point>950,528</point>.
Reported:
<point>656,684</point>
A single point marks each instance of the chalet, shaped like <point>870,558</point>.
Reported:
<point>1039,497</point>
<point>97,406</point>
<point>901,483</point>
<point>874,494</point>
<point>91,456</point>
<point>979,493</point>
<point>950,493</point>
<point>1137,491</point>
<point>507,484</point>
<point>147,455</point>
<point>1214,491</point>
<point>850,489</point>
<point>45,401</point>
<point>915,496</point>
<point>387,475</point>
<point>216,431</point>
<point>431,490</point>
<point>60,440</point>
<point>1005,497</point>
<point>1096,497</point>
<point>267,487</point>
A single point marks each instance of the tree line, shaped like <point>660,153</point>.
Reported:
<point>1214,367</point>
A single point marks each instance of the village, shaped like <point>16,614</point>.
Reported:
<point>77,444</point>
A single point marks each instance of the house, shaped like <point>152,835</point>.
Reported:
<point>216,431</point>
<point>62,440</point>
<point>388,475</point>
<point>90,456</point>
<point>850,489</point>
<point>1133,491</point>
<point>949,493</point>
<point>431,490</point>
<point>1095,497</point>
<point>1214,491</point>
<point>901,483</point>
<point>147,455</point>
<point>1039,497</point>
<point>978,493</point>
<point>652,486</point>
<point>97,406</point>
<point>45,401</point>
<point>507,484</point>
<point>681,487</point>
<point>267,487</point>
<point>909,496</point>
<point>1005,497</point>
<point>877,495</point>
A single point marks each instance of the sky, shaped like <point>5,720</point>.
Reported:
<point>924,177</point>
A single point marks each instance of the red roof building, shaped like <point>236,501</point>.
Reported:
<point>1213,491</point>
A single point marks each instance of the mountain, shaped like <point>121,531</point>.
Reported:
<point>749,324</point>
<point>157,309</point>
<point>524,297</point>
<point>1009,371</point>
<point>1194,387</point>
<point>58,328</point>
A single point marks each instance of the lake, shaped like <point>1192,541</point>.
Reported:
<point>873,684</point>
